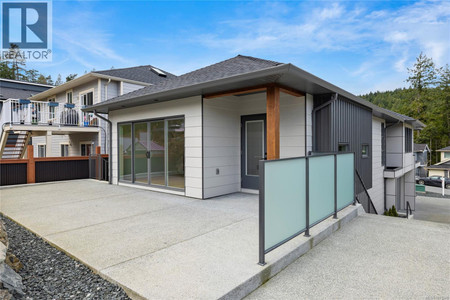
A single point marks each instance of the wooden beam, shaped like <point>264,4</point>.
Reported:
<point>273,122</point>
<point>254,89</point>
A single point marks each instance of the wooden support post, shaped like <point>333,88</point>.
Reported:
<point>31,165</point>
<point>273,122</point>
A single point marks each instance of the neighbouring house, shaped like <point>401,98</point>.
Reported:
<point>202,134</point>
<point>421,153</point>
<point>53,117</point>
<point>442,168</point>
<point>16,89</point>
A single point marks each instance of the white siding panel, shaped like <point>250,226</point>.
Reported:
<point>129,87</point>
<point>222,136</point>
<point>190,108</point>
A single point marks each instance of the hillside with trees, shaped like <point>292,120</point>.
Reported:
<point>16,69</point>
<point>426,99</point>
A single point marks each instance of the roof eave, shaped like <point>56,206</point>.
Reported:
<point>186,90</point>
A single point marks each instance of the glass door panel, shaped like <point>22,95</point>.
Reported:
<point>175,163</point>
<point>125,151</point>
<point>141,154</point>
<point>157,153</point>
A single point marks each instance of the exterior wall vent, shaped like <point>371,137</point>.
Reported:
<point>158,71</point>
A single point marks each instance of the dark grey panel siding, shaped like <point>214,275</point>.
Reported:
<point>344,122</point>
<point>61,170</point>
<point>13,174</point>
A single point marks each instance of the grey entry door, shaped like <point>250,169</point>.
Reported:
<point>253,149</point>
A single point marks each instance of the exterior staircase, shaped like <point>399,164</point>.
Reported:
<point>13,144</point>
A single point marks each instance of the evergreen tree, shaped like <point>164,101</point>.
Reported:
<point>71,77</point>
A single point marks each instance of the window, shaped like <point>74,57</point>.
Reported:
<point>64,150</point>
<point>364,150</point>
<point>408,140</point>
<point>86,149</point>
<point>69,97</point>
<point>125,152</point>
<point>152,152</point>
<point>343,147</point>
<point>87,98</point>
<point>446,154</point>
<point>42,149</point>
<point>383,144</point>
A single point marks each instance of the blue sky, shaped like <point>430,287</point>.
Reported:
<point>360,46</point>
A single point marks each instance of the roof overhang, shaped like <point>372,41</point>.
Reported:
<point>79,81</point>
<point>286,74</point>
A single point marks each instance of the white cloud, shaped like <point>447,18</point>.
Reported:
<point>82,37</point>
<point>345,27</point>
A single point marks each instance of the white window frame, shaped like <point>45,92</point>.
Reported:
<point>67,96</point>
<point>40,145</point>
<point>60,149</point>
<point>90,143</point>
<point>82,93</point>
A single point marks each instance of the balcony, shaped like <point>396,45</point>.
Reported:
<point>39,113</point>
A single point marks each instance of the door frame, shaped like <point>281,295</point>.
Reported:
<point>244,119</point>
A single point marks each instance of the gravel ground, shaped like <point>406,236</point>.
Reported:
<point>50,274</point>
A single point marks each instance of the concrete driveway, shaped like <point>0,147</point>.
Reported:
<point>434,209</point>
<point>375,257</point>
<point>155,245</point>
<point>437,190</point>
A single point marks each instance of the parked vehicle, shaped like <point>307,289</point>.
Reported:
<point>434,181</point>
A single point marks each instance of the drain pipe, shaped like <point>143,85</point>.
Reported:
<point>110,143</point>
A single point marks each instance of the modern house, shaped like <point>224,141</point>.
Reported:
<point>442,168</point>
<point>53,117</point>
<point>202,134</point>
<point>421,154</point>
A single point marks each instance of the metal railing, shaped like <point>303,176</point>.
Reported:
<point>408,210</point>
<point>99,167</point>
<point>298,193</point>
<point>28,112</point>
<point>364,198</point>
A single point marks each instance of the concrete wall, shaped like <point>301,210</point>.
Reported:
<point>410,189</point>
<point>222,136</point>
<point>191,108</point>
<point>377,190</point>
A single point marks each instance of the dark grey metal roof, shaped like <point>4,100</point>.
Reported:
<point>6,93</point>
<point>444,149</point>
<point>16,89</point>
<point>420,147</point>
<point>140,73</point>
<point>443,165</point>
<point>234,73</point>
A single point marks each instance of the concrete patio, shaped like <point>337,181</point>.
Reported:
<point>157,245</point>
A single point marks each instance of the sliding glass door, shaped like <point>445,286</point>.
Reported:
<point>141,142</point>
<point>152,153</point>
<point>157,153</point>
<point>175,162</point>
<point>125,152</point>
